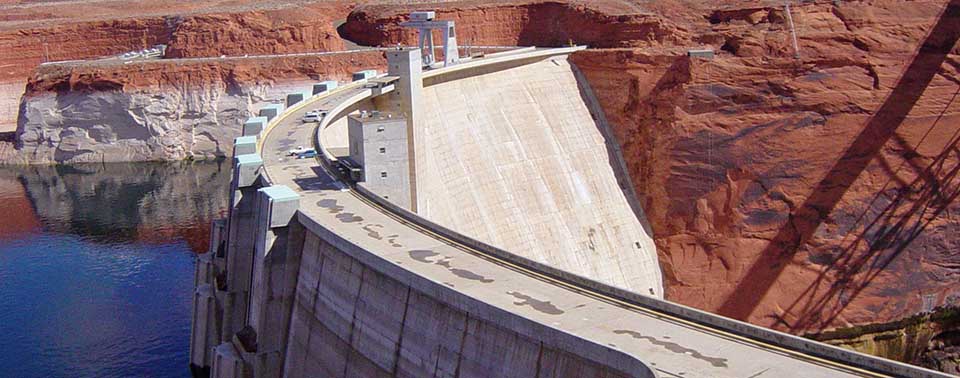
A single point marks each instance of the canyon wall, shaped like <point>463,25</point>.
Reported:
<point>22,50</point>
<point>726,152</point>
<point>520,23</point>
<point>160,110</point>
<point>772,192</point>
<point>784,191</point>
<point>29,37</point>
<point>930,340</point>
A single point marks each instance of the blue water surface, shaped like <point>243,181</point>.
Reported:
<point>98,281</point>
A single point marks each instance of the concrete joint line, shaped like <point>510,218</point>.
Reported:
<point>539,360</point>
<point>403,322</point>
<point>353,319</point>
<point>463,342</point>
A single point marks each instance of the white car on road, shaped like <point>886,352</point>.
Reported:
<point>314,116</point>
<point>299,150</point>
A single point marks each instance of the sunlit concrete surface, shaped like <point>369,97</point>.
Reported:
<point>356,286</point>
<point>672,347</point>
<point>515,158</point>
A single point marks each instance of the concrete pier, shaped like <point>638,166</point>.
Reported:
<point>406,64</point>
<point>240,242</point>
<point>204,271</point>
<point>276,260</point>
<point>204,334</point>
<point>227,363</point>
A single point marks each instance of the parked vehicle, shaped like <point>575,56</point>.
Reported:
<point>307,154</point>
<point>299,150</point>
<point>314,116</point>
<point>157,51</point>
<point>130,55</point>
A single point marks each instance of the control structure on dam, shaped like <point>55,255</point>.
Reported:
<point>473,220</point>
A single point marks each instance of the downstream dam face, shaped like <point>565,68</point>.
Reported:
<point>521,158</point>
<point>517,255</point>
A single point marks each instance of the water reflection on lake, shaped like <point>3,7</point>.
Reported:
<point>96,266</point>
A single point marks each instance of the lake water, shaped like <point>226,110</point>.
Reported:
<point>96,266</point>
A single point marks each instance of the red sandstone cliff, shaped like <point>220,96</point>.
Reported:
<point>160,75</point>
<point>188,32</point>
<point>729,153</point>
<point>33,33</point>
<point>170,109</point>
<point>769,200</point>
<point>282,31</point>
<point>523,23</point>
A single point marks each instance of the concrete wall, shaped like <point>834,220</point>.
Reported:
<point>407,64</point>
<point>320,306</point>
<point>294,299</point>
<point>352,319</point>
<point>516,158</point>
<point>379,145</point>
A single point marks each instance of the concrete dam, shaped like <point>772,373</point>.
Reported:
<point>464,220</point>
<point>516,158</point>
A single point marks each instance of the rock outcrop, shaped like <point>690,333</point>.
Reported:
<point>728,152</point>
<point>289,30</point>
<point>521,23</point>
<point>929,340</point>
<point>31,35</point>
<point>160,110</point>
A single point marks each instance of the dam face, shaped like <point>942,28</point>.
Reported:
<point>518,159</point>
<point>511,267</point>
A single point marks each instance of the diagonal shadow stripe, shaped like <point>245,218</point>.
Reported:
<point>804,221</point>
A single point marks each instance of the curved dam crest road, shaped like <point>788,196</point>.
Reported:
<point>670,346</point>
